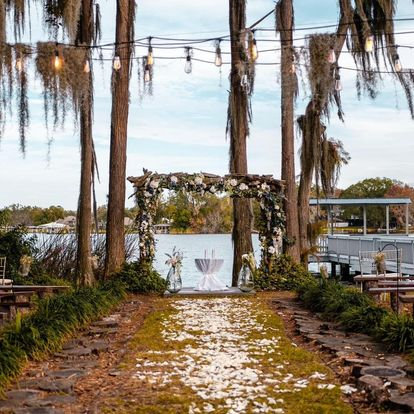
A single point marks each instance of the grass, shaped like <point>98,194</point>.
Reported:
<point>149,345</point>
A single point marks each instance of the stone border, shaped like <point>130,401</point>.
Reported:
<point>55,386</point>
<point>384,379</point>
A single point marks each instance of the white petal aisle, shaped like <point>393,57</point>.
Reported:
<point>233,358</point>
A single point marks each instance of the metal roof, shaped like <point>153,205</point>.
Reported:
<point>358,201</point>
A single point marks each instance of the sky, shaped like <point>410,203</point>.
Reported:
<point>181,127</point>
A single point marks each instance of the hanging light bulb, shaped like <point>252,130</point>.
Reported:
<point>150,56</point>
<point>117,63</point>
<point>338,83</point>
<point>253,50</point>
<point>19,64</point>
<point>147,73</point>
<point>292,69</point>
<point>218,61</point>
<point>332,56</point>
<point>188,68</point>
<point>397,63</point>
<point>57,61</point>
<point>87,66</point>
<point>369,44</point>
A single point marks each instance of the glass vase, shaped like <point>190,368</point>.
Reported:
<point>246,279</point>
<point>174,283</point>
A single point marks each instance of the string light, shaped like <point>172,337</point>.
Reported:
<point>57,61</point>
<point>292,69</point>
<point>147,73</point>
<point>19,64</point>
<point>87,67</point>
<point>369,44</point>
<point>332,56</point>
<point>253,51</point>
<point>219,60</point>
<point>117,63</point>
<point>188,68</point>
<point>338,83</point>
<point>397,63</point>
<point>150,57</point>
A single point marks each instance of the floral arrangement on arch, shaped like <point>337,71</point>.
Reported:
<point>267,190</point>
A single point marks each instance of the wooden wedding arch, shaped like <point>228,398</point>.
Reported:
<point>267,190</point>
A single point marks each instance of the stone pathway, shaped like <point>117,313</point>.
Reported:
<point>222,355</point>
<point>380,377</point>
<point>54,386</point>
<point>204,355</point>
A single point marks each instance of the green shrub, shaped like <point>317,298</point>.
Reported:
<point>358,312</point>
<point>331,298</point>
<point>141,278</point>
<point>363,319</point>
<point>282,274</point>
<point>397,332</point>
<point>38,276</point>
<point>14,244</point>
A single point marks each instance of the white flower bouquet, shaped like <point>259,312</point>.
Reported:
<point>175,259</point>
<point>250,261</point>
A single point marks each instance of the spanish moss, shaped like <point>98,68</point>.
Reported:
<point>65,86</point>
<point>21,51</point>
<point>62,13</point>
<point>97,29</point>
<point>6,82</point>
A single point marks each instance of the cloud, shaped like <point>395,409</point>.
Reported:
<point>182,126</point>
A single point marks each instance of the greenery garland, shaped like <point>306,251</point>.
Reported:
<point>267,190</point>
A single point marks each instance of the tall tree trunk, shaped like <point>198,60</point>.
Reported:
<point>313,112</point>
<point>285,25</point>
<point>238,131</point>
<point>115,234</point>
<point>84,219</point>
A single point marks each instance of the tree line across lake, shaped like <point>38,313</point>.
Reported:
<point>214,214</point>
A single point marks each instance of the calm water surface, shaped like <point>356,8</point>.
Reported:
<point>193,247</point>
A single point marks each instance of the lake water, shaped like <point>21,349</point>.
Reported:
<point>193,247</point>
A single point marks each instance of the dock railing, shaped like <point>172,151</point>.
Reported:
<point>342,249</point>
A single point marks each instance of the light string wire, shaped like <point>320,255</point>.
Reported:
<point>174,43</point>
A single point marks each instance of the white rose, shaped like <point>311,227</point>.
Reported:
<point>243,187</point>
<point>212,189</point>
<point>233,182</point>
<point>279,214</point>
<point>154,184</point>
<point>198,180</point>
<point>174,179</point>
<point>277,208</point>
<point>265,187</point>
<point>271,250</point>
